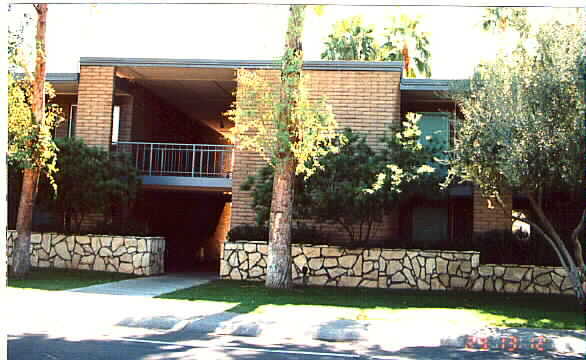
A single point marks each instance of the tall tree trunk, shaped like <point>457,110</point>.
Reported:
<point>21,261</point>
<point>279,254</point>
<point>21,254</point>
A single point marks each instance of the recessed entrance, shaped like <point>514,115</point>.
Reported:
<point>194,225</point>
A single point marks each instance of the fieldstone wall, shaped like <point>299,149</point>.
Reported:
<point>125,254</point>
<point>522,279</point>
<point>392,269</point>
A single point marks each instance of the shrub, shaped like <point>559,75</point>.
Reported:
<point>89,180</point>
<point>300,234</point>
<point>356,185</point>
<point>128,227</point>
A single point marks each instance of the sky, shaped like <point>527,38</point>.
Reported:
<point>241,32</point>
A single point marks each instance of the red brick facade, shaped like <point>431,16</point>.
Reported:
<point>493,218</point>
<point>95,99</point>
<point>366,101</point>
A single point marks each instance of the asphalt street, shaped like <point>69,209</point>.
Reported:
<point>41,346</point>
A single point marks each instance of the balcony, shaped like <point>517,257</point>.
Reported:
<point>167,165</point>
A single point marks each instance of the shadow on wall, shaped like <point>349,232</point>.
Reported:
<point>193,224</point>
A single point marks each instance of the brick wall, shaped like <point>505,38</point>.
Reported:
<point>366,101</point>
<point>95,98</point>
<point>488,219</point>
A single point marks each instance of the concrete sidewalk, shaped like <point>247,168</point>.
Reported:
<point>311,325</point>
<point>149,286</point>
<point>128,306</point>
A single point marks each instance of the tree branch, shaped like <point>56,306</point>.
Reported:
<point>551,231</point>
<point>546,236</point>
<point>576,240</point>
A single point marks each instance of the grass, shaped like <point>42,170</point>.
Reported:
<point>502,310</point>
<point>63,279</point>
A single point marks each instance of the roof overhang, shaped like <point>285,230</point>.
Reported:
<point>63,83</point>
<point>424,84</point>
<point>425,90</point>
<point>394,66</point>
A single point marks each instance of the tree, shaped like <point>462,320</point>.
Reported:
<point>89,180</point>
<point>29,138</point>
<point>351,40</point>
<point>502,19</point>
<point>523,131</point>
<point>358,184</point>
<point>402,41</point>
<point>289,131</point>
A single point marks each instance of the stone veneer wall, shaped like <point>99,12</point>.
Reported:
<point>394,269</point>
<point>125,254</point>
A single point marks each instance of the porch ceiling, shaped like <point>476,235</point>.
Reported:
<point>202,94</point>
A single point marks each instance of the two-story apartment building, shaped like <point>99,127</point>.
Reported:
<point>168,114</point>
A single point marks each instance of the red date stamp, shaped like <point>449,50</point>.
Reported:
<point>510,343</point>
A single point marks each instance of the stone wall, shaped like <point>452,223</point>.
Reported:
<point>393,269</point>
<point>522,279</point>
<point>125,254</point>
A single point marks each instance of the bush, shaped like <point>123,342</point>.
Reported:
<point>128,227</point>
<point>497,247</point>
<point>89,180</point>
<point>248,233</point>
<point>358,184</point>
<point>300,234</point>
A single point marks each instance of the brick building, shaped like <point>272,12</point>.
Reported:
<point>168,115</point>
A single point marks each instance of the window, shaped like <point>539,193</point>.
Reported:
<point>435,130</point>
<point>72,120</point>
<point>430,220</point>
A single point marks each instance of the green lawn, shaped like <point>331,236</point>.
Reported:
<point>62,279</point>
<point>536,311</point>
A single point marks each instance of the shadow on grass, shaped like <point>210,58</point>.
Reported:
<point>64,279</point>
<point>526,310</point>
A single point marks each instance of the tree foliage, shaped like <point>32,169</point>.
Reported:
<point>405,42</point>
<point>402,40</point>
<point>523,129</point>
<point>356,186</point>
<point>289,131</point>
<point>310,135</point>
<point>30,142</point>
<point>90,180</point>
<point>351,40</point>
<point>502,19</point>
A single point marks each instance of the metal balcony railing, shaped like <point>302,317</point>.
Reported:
<point>187,160</point>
